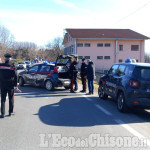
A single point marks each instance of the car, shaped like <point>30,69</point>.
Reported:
<point>21,65</point>
<point>28,64</point>
<point>63,63</point>
<point>128,84</point>
<point>44,75</point>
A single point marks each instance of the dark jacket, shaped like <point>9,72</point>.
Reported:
<point>83,69</point>
<point>73,70</point>
<point>8,75</point>
<point>90,71</point>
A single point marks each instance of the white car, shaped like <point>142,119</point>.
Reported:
<point>21,65</point>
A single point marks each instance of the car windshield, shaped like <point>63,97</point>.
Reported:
<point>143,73</point>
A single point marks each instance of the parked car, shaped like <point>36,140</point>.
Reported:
<point>44,75</point>
<point>28,64</point>
<point>63,63</point>
<point>128,84</point>
<point>21,65</point>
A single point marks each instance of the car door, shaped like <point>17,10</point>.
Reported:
<point>110,82</point>
<point>42,74</point>
<point>31,75</point>
<point>118,78</point>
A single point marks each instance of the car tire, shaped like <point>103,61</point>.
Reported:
<point>101,93</point>
<point>21,81</point>
<point>121,103</point>
<point>49,85</point>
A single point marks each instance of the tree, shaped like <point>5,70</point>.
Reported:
<point>6,40</point>
<point>147,57</point>
<point>54,49</point>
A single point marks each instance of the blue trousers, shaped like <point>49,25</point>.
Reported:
<point>91,86</point>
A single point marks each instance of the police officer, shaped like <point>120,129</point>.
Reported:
<point>8,80</point>
<point>83,75</point>
<point>73,70</point>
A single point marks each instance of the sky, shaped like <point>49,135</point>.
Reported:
<point>40,21</point>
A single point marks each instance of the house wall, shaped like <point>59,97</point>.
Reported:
<point>104,64</point>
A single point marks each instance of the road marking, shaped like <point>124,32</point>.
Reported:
<point>87,98</point>
<point>133,131</point>
<point>103,110</point>
<point>99,107</point>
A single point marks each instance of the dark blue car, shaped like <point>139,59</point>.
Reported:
<point>44,75</point>
<point>128,84</point>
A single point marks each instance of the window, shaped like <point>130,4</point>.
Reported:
<point>80,57</point>
<point>33,69</point>
<point>113,70</point>
<point>120,60</point>
<point>99,57</point>
<point>121,70</point>
<point>120,47</point>
<point>45,68</point>
<point>87,44</point>
<point>87,57</point>
<point>137,60</point>
<point>100,45</point>
<point>134,47</point>
<point>129,70</point>
<point>107,44</point>
<point>107,57</point>
<point>80,45</point>
<point>142,73</point>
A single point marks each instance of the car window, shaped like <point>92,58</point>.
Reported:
<point>113,70</point>
<point>33,69</point>
<point>62,61</point>
<point>143,73</point>
<point>129,70</point>
<point>45,68</point>
<point>121,70</point>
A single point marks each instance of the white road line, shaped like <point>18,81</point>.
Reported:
<point>99,107</point>
<point>87,98</point>
<point>134,132</point>
<point>103,110</point>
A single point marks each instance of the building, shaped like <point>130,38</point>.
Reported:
<point>105,46</point>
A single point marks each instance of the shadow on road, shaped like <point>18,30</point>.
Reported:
<point>36,92</point>
<point>78,111</point>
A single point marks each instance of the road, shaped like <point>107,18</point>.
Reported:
<point>46,120</point>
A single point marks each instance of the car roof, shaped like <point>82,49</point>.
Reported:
<point>136,64</point>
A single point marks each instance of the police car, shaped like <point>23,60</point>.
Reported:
<point>44,75</point>
<point>128,83</point>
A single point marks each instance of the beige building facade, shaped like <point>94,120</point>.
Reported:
<point>105,46</point>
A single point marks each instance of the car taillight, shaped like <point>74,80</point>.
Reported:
<point>134,84</point>
<point>104,82</point>
<point>55,70</point>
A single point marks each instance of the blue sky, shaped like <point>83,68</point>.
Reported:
<point>40,21</point>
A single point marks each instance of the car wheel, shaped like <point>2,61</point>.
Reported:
<point>21,81</point>
<point>121,105</point>
<point>101,92</point>
<point>49,85</point>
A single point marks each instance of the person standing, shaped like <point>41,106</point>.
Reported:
<point>83,75</point>
<point>73,70</point>
<point>8,80</point>
<point>90,77</point>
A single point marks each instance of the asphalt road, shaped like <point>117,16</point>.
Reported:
<point>46,120</point>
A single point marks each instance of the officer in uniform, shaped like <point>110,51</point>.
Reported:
<point>73,70</point>
<point>8,80</point>
<point>83,75</point>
